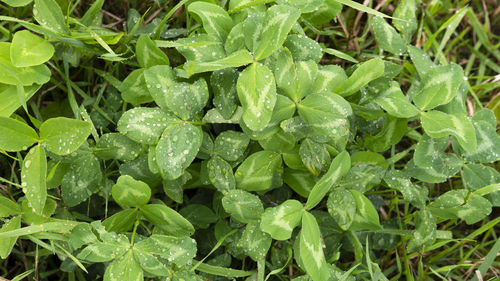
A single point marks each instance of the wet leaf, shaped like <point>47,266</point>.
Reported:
<point>62,135</point>
<point>33,175</point>
<point>243,206</point>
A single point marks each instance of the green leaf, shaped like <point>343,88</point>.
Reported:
<point>117,146</point>
<point>421,60</point>
<point>199,48</point>
<point>48,14</point>
<point>366,217</point>
<point>122,221</point>
<point>236,59</point>
<point>392,100</point>
<point>124,268</point>
<point>177,148</point>
<point>148,54</point>
<point>328,78</point>
<point>235,39</point>
<point>326,114</point>
<point>460,203</point>
<point>167,220</point>
<point>387,37</point>
<point>303,48</point>
<point>439,86</point>
<point>280,221</point>
<point>82,234</point>
<point>199,215</point>
<point>278,22</point>
<point>62,135</point>
<point>215,19</point>
<point>17,3</point>
<point>223,83</point>
<point>179,250</point>
<point>61,227</point>
<point>27,49</point>
<point>150,263</point>
<point>425,232</point>
<point>144,124</point>
<point>174,188</point>
<point>213,116</point>
<point>305,6</point>
<point>251,29</point>
<point>33,175</point>
<point>25,76</point>
<point>280,142</point>
<point>238,5</point>
<point>476,176</point>
<point>429,150</point>
<point>438,124</point>
<point>362,177</point>
<point>243,206</point>
<point>187,99</point>
<point>10,98</point>
<point>440,170</point>
<point>302,182</point>
<point>405,19</point>
<point>30,217</point>
<point>287,75</point>
<point>159,79</point>
<point>82,179</point>
<point>342,207</point>
<point>104,251</point>
<point>324,12</point>
<point>365,73</point>
<point>315,156</point>
<point>397,180</point>
<point>488,143</point>
<point>8,207</point>
<point>254,242</point>
<point>339,167</point>
<point>392,132</point>
<point>370,158</point>
<point>131,193</point>
<point>221,174</point>
<point>16,135</point>
<point>257,93</point>
<point>8,243</point>
<point>258,170</point>
<point>134,89</point>
<point>311,251</point>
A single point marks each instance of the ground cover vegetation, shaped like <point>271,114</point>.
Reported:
<point>249,140</point>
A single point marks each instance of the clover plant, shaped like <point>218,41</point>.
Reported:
<point>231,151</point>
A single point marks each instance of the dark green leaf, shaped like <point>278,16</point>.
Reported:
<point>167,220</point>
<point>258,170</point>
<point>243,206</point>
<point>338,168</point>
<point>177,148</point>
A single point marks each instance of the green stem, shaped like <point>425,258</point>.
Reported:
<point>133,233</point>
<point>261,269</point>
<point>358,249</point>
<point>9,182</point>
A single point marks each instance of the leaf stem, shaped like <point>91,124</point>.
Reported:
<point>134,231</point>
<point>358,249</point>
<point>261,269</point>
